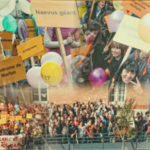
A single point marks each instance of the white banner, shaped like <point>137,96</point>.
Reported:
<point>15,141</point>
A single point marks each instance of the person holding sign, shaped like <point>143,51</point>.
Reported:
<point>70,39</point>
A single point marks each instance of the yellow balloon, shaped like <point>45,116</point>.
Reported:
<point>117,4</point>
<point>52,73</point>
<point>144,28</point>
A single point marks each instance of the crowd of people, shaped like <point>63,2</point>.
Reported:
<point>29,121</point>
<point>87,122</point>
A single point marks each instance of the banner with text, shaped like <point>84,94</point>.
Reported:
<point>30,47</point>
<point>11,70</point>
<point>6,38</point>
<point>15,141</point>
<point>139,8</point>
<point>56,13</point>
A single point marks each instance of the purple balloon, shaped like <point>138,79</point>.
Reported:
<point>97,77</point>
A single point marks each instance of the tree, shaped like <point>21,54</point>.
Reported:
<point>123,120</point>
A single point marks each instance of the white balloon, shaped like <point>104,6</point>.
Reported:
<point>34,78</point>
<point>51,56</point>
<point>115,20</point>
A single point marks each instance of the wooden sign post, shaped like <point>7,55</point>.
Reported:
<point>63,53</point>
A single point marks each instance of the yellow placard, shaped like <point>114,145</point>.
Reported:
<point>56,13</point>
<point>30,48</point>
<point>17,118</point>
<point>11,118</point>
<point>6,38</point>
<point>139,8</point>
<point>11,70</point>
<point>29,116</point>
<point>3,121</point>
<point>42,52</point>
<point>127,34</point>
<point>3,57</point>
<point>31,28</point>
<point>3,116</point>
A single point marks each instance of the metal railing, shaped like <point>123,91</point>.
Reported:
<point>61,142</point>
<point>65,139</point>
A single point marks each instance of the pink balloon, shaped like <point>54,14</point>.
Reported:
<point>29,1</point>
<point>97,77</point>
<point>115,20</point>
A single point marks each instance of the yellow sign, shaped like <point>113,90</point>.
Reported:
<point>6,38</point>
<point>3,116</point>
<point>29,116</point>
<point>127,34</point>
<point>31,28</point>
<point>42,52</point>
<point>139,8</point>
<point>11,70</point>
<point>2,121</point>
<point>17,118</point>
<point>30,48</point>
<point>3,57</point>
<point>52,13</point>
